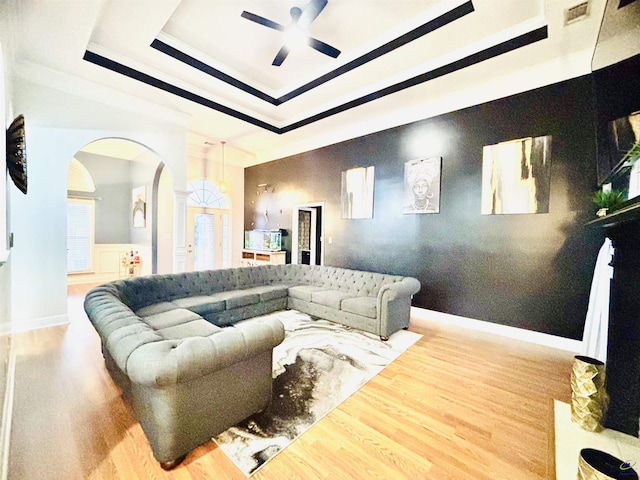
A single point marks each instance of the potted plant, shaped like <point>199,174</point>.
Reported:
<point>608,201</point>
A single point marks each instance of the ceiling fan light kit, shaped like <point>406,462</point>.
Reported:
<point>295,33</point>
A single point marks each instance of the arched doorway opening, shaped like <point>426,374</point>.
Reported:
<point>117,226</point>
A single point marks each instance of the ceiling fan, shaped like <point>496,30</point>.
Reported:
<point>301,18</point>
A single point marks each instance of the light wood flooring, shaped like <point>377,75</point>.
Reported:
<point>457,405</point>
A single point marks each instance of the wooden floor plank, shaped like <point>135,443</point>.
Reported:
<point>457,405</point>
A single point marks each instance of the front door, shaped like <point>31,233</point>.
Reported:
<point>207,238</point>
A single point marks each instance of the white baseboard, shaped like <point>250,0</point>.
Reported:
<point>35,324</point>
<point>423,315</point>
<point>7,415</point>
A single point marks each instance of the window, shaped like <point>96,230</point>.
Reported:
<point>80,214</point>
<point>204,242</point>
<point>78,178</point>
<point>205,194</point>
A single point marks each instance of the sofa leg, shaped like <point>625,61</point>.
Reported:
<point>171,464</point>
<point>384,339</point>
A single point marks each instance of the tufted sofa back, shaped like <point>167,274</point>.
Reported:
<point>140,292</point>
<point>143,291</point>
<point>352,281</point>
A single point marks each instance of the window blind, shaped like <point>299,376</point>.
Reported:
<point>79,235</point>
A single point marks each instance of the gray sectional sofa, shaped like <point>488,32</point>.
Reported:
<point>190,355</point>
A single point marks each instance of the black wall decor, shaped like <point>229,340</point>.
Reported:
<point>528,271</point>
<point>17,153</point>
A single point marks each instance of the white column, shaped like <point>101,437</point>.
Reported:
<point>180,231</point>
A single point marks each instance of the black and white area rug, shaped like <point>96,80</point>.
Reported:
<point>317,366</point>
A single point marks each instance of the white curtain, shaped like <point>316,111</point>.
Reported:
<point>594,340</point>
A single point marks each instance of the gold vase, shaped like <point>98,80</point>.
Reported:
<point>589,398</point>
<point>597,465</point>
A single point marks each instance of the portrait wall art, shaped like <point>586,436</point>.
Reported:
<point>139,206</point>
<point>422,185</point>
<point>357,192</point>
<point>516,176</point>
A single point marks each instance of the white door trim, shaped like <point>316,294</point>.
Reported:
<point>294,230</point>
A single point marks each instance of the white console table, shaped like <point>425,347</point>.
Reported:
<point>253,258</point>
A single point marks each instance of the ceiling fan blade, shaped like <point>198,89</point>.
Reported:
<point>323,47</point>
<point>282,54</point>
<point>262,21</point>
<point>311,12</point>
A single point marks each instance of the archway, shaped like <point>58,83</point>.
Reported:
<point>113,231</point>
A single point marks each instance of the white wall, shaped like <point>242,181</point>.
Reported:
<point>5,272</point>
<point>6,376</point>
<point>165,223</point>
<point>58,125</point>
<point>234,176</point>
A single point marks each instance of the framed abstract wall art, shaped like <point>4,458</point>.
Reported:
<point>422,185</point>
<point>516,176</point>
<point>357,192</point>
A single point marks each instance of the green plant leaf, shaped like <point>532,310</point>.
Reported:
<point>612,199</point>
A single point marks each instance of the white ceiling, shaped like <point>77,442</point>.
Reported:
<point>55,35</point>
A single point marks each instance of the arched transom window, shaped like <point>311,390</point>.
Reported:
<point>78,178</point>
<point>206,194</point>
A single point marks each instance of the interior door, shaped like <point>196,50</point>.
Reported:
<point>306,236</point>
<point>207,238</point>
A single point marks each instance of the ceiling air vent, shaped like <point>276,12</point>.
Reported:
<point>575,13</point>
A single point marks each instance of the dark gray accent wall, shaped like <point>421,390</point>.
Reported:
<point>530,271</point>
<point>113,187</point>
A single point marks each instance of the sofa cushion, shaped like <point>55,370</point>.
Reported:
<point>170,318</point>
<point>365,306</point>
<point>236,298</point>
<point>196,328</point>
<point>269,292</point>
<point>202,304</point>
<point>155,308</point>
<point>329,298</point>
<point>304,292</point>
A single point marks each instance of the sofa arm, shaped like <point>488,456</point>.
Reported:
<point>159,364</point>
<point>406,287</point>
<point>394,306</point>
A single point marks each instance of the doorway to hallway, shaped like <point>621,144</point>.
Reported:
<point>307,244</point>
